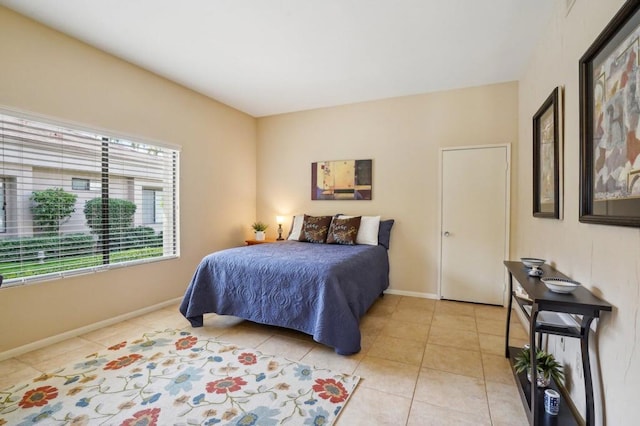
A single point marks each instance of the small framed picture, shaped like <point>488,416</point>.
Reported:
<point>547,157</point>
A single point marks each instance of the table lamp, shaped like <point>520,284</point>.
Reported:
<point>279,220</point>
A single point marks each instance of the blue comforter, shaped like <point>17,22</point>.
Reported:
<point>319,289</point>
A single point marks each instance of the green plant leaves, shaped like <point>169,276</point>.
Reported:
<point>546,364</point>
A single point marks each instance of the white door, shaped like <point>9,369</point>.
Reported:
<point>474,223</point>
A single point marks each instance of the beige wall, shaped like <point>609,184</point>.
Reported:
<point>403,136</point>
<point>604,258</point>
<point>47,73</point>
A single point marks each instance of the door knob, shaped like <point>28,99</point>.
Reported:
<point>446,233</point>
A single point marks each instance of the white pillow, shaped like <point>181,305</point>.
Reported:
<point>368,231</point>
<point>296,228</point>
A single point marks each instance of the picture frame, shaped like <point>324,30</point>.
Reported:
<point>547,157</point>
<point>342,180</point>
<point>610,123</point>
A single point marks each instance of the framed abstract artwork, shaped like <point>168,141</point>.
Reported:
<point>341,180</point>
<point>547,157</point>
<point>610,123</point>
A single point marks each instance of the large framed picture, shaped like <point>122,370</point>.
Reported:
<point>341,180</point>
<point>547,157</point>
<point>610,123</point>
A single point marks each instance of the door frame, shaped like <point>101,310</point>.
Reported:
<point>507,209</point>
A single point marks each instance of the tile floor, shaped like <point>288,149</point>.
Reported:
<point>423,362</point>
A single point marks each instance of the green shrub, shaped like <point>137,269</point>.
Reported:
<point>120,214</point>
<point>135,238</point>
<point>53,247</point>
<point>75,245</point>
<point>50,208</point>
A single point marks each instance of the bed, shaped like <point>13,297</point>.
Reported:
<point>318,289</point>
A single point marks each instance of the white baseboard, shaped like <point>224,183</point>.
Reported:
<point>412,294</point>
<point>11,353</point>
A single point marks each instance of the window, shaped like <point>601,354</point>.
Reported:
<point>76,201</point>
<point>3,207</point>
<point>78,184</point>
<point>151,206</point>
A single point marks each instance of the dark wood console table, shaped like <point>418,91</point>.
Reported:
<point>540,302</point>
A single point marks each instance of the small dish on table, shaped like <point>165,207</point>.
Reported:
<point>534,265</point>
<point>560,285</point>
<point>532,262</point>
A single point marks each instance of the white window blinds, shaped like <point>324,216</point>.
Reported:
<point>74,201</point>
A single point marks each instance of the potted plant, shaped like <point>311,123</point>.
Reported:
<point>546,365</point>
<point>259,228</point>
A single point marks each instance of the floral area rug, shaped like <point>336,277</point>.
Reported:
<point>173,377</point>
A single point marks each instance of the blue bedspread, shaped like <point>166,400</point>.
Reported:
<point>319,289</point>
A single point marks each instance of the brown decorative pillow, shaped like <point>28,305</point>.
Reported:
<point>315,228</point>
<point>344,231</point>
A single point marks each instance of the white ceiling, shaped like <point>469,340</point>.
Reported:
<point>267,57</point>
